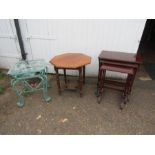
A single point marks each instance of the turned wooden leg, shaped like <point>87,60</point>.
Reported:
<point>80,81</point>
<point>58,80</point>
<point>83,74</point>
<point>101,85</point>
<point>98,81</point>
<point>99,76</point>
<point>126,92</point>
<point>129,83</point>
<point>65,78</point>
<point>132,79</point>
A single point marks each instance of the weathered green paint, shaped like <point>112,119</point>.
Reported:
<point>24,71</point>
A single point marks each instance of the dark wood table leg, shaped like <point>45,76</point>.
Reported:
<point>99,77</point>
<point>83,74</point>
<point>132,80</point>
<point>101,85</point>
<point>58,80</point>
<point>127,87</point>
<point>80,81</point>
<point>100,64</point>
<point>65,78</point>
<point>131,77</point>
<point>126,92</point>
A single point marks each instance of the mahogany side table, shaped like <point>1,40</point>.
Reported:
<point>119,60</point>
<point>71,61</point>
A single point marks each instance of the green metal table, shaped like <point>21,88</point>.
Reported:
<point>24,73</point>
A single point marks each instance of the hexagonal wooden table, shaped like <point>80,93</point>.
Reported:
<point>71,61</point>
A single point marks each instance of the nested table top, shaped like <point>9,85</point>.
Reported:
<point>120,57</point>
<point>70,60</point>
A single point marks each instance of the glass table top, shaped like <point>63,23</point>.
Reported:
<point>27,67</point>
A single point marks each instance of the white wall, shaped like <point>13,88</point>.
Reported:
<point>9,47</point>
<point>47,38</point>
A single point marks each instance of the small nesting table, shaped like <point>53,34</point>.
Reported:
<point>119,62</point>
<point>23,73</point>
<point>71,61</point>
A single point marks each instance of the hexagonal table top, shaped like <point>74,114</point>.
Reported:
<point>70,60</point>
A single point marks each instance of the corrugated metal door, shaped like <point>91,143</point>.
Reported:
<point>9,47</point>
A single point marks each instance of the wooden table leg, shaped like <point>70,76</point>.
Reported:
<point>99,77</point>
<point>58,80</point>
<point>99,72</point>
<point>101,85</point>
<point>80,81</point>
<point>132,78</point>
<point>65,78</point>
<point>126,92</point>
<point>83,74</point>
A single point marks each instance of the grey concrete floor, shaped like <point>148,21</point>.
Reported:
<point>70,114</point>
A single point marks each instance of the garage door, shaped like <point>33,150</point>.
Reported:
<point>46,38</point>
<point>9,46</point>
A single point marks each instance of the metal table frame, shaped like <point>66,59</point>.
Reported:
<point>24,71</point>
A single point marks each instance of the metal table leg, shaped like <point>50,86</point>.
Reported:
<point>45,87</point>
<point>19,93</point>
<point>27,88</point>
